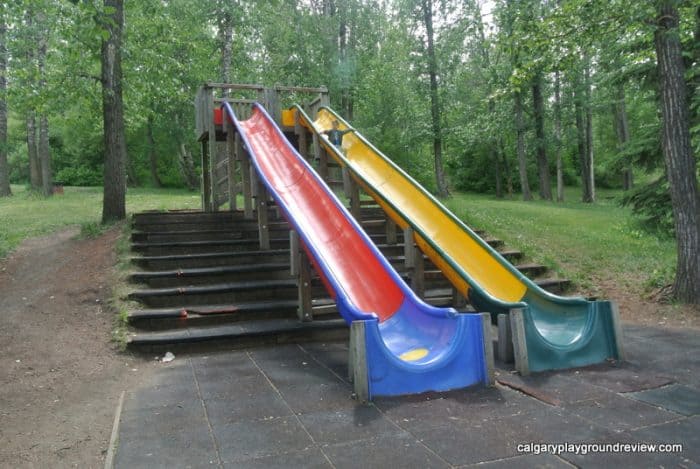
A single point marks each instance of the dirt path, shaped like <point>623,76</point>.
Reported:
<point>60,374</point>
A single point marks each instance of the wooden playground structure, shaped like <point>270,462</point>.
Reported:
<point>225,172</point>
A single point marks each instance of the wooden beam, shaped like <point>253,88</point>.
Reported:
<point>418,277</point>
<point>305,311</point>
<point>355,200</point>
<point>321,156</point>
<point>301,133</point>
<point>263,222</point>
<point>244,159</point>
<point>357,361</point>
<point>300,268</point>
<point>488,347</point>
<point>253,181</point>
<point>212,167</point>
<point>294,252</point>
<point>302,89</point>
<point>234,101</point>
<point>520,355</point>
<point>409,251</point>
<point>234,86</point>
<point>231,145</point>
<point>414,262</point>
<point>391,235</point>
<point>346,181</point>
<point>206,177</point>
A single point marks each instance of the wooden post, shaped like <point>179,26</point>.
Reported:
<point>212,162</point>
<point>263,222</point>
<point>409,251</point>
<point>520,356</point>
<point>244,159</point>
<point>414,262</point>
<point>323,164</point>
<point>488,347</point>
<point>301,269</point>
<point>272,104</point>
<point>418,278</point>
<point>231,146</point>
<point>357,361</point>
<point>354,195</point>
<point>206,177</point>
<point>320,155</point>
<point>303,142</point>
<point>346,181</point>
<point>294,253</point>
<point>391,235</point>
<point>305,311</point>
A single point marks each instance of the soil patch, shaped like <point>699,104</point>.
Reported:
<point>60,373</point>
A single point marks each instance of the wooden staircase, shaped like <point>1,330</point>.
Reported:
<point>202,278</point>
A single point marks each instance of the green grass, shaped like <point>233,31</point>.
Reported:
<point>585,242</point>
<point>25,214</point>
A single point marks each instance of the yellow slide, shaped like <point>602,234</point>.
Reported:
<point>451,245</point>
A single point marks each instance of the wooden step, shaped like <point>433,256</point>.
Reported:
<point>207,275</point>
<point>244,291</point>
<point>554,285</point>
<point>240,335</point>
<point>191,247</point>
<point>187,316</point>
<point>210,259</point>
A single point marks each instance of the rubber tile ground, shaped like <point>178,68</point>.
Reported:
<point>292,406</point>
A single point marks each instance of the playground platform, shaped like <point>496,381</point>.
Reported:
<point>291,406</point>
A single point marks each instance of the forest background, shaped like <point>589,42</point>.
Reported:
<point>512,98</point>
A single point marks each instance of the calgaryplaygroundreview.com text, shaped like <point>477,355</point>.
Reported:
<point>588,448</point>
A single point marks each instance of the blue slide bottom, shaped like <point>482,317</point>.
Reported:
<point>414,353</point>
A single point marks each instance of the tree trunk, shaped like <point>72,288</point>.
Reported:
<point>678,153</point>
<point>32,153</point>
<point>693,86</point>
<point>185,160</point>
<point>114,201</point>
<point>5,189</point>
<point>226,37</point>
<point>557,137</point>
<point>427,6</point>
<point>152,153</point>
<point>32,150</point>
<point>542,161</point>
<point>44,152</point>
<point>582,143</point>
<point>522,158</point>
<point>187,168</point>
<point>622,130</point>
<point>506,168</point>
<point>45,156</point>
<point>590,168</point>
